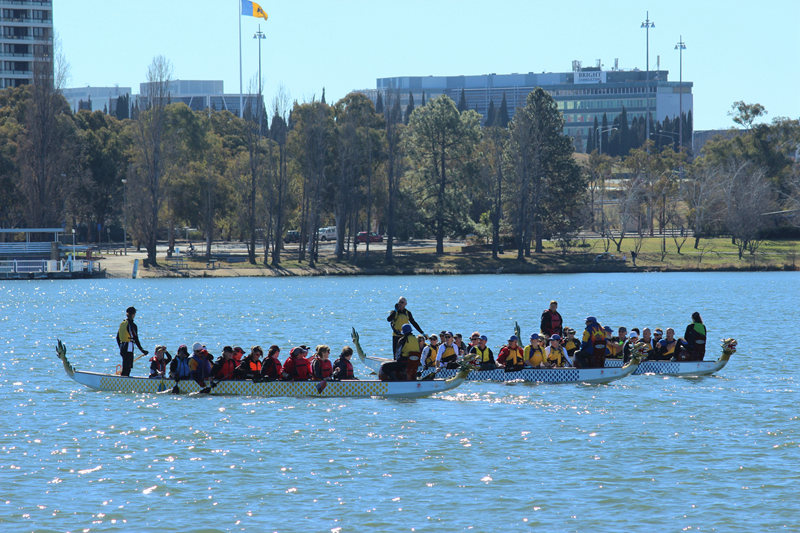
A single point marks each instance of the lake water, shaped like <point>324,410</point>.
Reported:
<point>645,453</point>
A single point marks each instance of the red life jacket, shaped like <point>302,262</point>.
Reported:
<point>555,322</point>
<point>161,365</point>
<point>346,371</point>
<point>322,368</point>
<point>255,366</point>
<point>227,368</point>
<point>272,368</point>
<point>298,368</point>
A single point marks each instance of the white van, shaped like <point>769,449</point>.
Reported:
<point>327,234</point>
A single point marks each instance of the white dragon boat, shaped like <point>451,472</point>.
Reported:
<point>682,368</point>
<point>527,375</point>
<point>317,389</point>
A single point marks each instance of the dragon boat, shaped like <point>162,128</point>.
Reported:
<point>527,375</point>
<point>317,389</point>
<point>682,368</point>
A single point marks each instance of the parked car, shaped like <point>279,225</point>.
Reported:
<point>363,236</point>
<point>327,234</point>
<point>292,236</point>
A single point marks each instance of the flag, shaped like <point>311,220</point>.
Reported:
<point>251,9</point>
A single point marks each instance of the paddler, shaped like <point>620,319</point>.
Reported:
<point>343,368</point>
<point>484,356</point>
<point>447,354</point>
<point>428,356</point>
<point>397,318</point>
<point>533,354</point>
<point>511,355</point>
<point>158,363</point>
<point>127,338</point>
<point>225,367</point>
<point>695,338</point>
<point>593,346</point>
<point>408,353</point>
<point>555,354</point>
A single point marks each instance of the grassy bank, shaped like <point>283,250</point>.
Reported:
<point>588,256</point>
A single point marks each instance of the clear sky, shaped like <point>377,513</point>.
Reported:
<point>736,50</point>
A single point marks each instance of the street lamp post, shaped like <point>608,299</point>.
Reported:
<point>647,24</point>
<point>600,133</point>
<point>260,36</point>
<point>125,215</point>
<point>680,47</point>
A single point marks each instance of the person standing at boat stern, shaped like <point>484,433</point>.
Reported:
<point>695,338</point>
<point>398,318</point>
<point>552,321</point>
<point>127,338</point>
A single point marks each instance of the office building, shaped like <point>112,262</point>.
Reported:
<point>26,36</point>
<point>200,95</point>
<point>96,98</point>
<point>582,95</point>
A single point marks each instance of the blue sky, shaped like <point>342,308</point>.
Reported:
<point>733,53</point>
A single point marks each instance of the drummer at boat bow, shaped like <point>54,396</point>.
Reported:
<point>127,338</point>
<point>398,318</point>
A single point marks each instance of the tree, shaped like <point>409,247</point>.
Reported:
<point>410,106</point>
<point>393,118</point>
<point>495,139</point>
<point>148,184</point>
<point>591,143</point>
<point>379,103</point>
<point>441,141</point>
<point>745,114</point>
<point>462,102</point>
<point>502,120</point>
<point>542,166</point>
<point>747,195</point>
<point>279,132</point>
<point>490,115</point>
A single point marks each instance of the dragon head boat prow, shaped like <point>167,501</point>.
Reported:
<point>61,350</point>
<point>728,348</point>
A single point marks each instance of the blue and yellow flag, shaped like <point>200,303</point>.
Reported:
<point>251,9</point>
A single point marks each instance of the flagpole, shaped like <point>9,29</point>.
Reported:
<point>241,100</point>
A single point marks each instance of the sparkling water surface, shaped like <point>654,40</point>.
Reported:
<point>646,453</point>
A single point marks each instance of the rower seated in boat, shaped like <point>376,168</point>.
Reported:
<point>224,367</point>
<point>483,354</point>
<point>667,348</point>
<point>158,363</point>
<point>321,367</point>
<point>511,356</point>
<point>343,368</point>
<point>200,363</point>
<point>428,356</point>
<point>555,354</point>
<point>447,355</point>
<point>297,367</point>
<point>271,368</point>
<point>533,355</point>
<point>250,367</point>
<point>179,368</point>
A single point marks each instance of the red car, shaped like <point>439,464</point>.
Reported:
<point>363,236</point>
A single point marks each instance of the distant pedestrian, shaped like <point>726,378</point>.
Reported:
<point>127,338</point>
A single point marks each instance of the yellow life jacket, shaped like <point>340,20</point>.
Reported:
<point>669,349</point>
<point>572,345</point>
<point>555,355</point>
<point>410,347</point>
<point>449,352</point>
<point>514,357</point>
<point>400,319</point>
<point>534,356</point>
<point>124,335</point>
<point>430,359</point>
<point>483,355</point>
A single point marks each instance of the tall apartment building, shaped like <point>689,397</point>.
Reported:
<point>26,36</point>
<point>582,95</point>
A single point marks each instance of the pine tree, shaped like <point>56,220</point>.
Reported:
<point>423,99</point>
<point>591,143</point>
<point>323,96</point>
<point>624,133</point>
<point>462,102</point>
<point>410,106</point>
<point>502,120</point>
<point>604,134</point>
<point>379,104</point>
<point>490,115</point>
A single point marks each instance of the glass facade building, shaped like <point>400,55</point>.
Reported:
<point>581,95</point>
<point>26,36</point>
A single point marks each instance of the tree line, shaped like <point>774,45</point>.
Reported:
<point>431,170</point>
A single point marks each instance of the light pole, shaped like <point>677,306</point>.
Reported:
<point>260,36</point>
<point>600,133</point>
<point>125,215</point>
<point>647,24</point>
<point>680,47</point>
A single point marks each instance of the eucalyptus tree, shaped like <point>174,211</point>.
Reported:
<point>393,123</point>
<point>442,143</point>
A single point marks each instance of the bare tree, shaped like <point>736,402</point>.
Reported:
<point>150,133</point>
<point>747,194</point>
<point>279,132</point>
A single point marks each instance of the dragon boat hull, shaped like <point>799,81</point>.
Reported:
<point>529,375</point>
<point>682,368</point>
<point>317,389</point>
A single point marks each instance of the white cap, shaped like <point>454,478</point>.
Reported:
<point>197,347</point>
